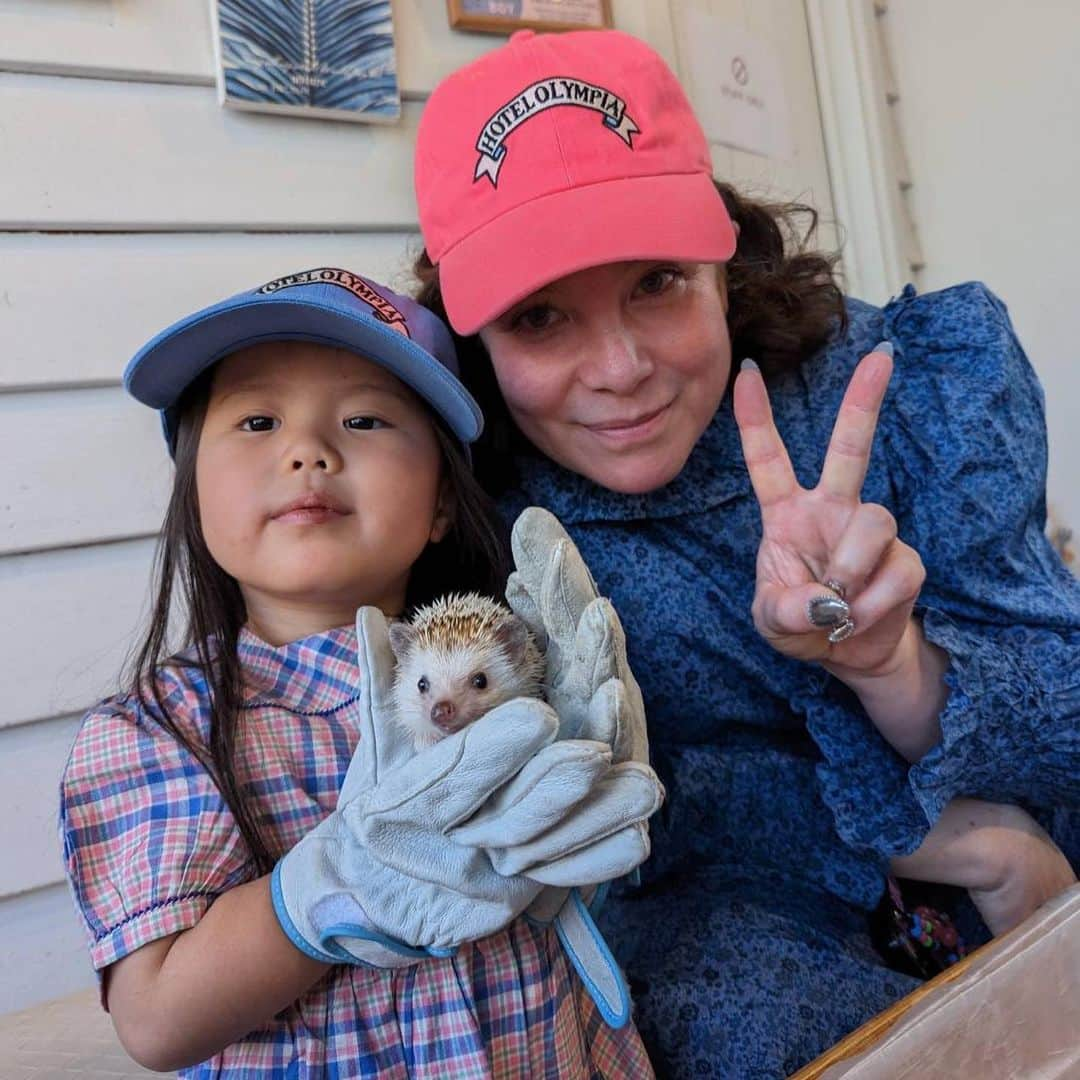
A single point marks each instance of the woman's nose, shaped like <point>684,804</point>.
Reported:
<point>617,362</point>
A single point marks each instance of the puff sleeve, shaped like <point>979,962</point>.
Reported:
<point>965,444</point>
<point>960,460</point>
<point>148,841</point>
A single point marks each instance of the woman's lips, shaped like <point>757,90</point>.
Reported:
<point>636,429</point>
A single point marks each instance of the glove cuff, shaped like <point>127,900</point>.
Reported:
<point>334,927</point>
<point>288,926</point>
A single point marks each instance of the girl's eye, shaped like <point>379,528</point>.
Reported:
<point>422,684</point>
<point>534,319</point>
<point>258,423</point>
<point>364,423</point>
<point>659,280</point>
<point>479,680</point>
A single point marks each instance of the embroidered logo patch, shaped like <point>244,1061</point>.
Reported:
<point>535,99</point>
<point>361,288</point>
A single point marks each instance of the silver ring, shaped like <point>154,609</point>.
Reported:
<point>842,632</point>
<point>836,587</point>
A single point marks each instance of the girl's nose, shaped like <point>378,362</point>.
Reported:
<point>616,363</point>
<point>315,454</point>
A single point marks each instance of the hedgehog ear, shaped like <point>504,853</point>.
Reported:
<point>513,635</point>
<point>402,635</point>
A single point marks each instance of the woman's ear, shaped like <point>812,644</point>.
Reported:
<point>721,284</point>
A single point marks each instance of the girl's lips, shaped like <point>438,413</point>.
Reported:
<point>308,515</point>
<point>310,509</point>
<point>638,430</point>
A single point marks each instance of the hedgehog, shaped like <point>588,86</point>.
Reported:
<point>458,658</point>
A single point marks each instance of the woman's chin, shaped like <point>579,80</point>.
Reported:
<point>632,476</point>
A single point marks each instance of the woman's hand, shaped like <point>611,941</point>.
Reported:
<point>1008,864</point>
<point>860,625</point>
<point>827,534</point>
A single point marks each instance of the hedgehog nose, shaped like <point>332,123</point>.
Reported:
<point>442,714</point>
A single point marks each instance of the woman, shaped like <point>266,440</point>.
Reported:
<point>882,684</point>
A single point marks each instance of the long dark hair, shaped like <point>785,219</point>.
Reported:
<point>784,304</point>
<point>473,556</point>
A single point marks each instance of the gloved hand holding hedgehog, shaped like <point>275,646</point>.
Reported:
<point>465,655</point>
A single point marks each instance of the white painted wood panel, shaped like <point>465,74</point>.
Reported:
<point>169,40</point>
<point>76,614</point>
<point>118,156</point>
<point>79,467</point>
<point>803,177</point>
<point>32,757</point>
<point>73,309</point>
<point>43,949</point>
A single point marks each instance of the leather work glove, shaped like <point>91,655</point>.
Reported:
<point>590,685</point>
<point>383,880</point>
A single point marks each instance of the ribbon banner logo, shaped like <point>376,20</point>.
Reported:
<point>533,100</point>
<point>381,308</point>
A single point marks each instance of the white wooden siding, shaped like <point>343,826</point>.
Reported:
<point>71,616</point>
<point>167,157</point>
<point>127,199</point>
<point>169,41</point>
<point>30,753</point>
<point>73,308</point>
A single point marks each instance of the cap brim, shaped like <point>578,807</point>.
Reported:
<point>160,372</point>
<point>647,217</point>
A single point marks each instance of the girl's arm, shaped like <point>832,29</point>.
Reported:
<point>183,998</point>
<point>998,853</point>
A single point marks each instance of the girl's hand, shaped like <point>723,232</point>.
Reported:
<point>827,534</point>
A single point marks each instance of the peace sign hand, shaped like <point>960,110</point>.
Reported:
<point>828,534</point>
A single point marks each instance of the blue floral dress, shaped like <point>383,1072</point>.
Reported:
<point>746,943</point>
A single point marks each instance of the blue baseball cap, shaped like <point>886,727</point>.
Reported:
<point>328,306</point>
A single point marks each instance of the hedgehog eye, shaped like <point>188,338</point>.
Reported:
<point>479,680</point>
<point>422,684</point>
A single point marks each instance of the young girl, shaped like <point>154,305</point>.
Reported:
<point>318,431</point>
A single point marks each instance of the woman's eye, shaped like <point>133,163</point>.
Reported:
<point>659,280</point>
<point>363,423</point>
<point>422,684</point>
<point>258,423</point>
<point>479,680</point>
<point>540,317</point>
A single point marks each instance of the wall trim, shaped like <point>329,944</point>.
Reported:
<point>851,94</point>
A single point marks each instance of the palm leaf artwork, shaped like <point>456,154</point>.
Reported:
<point>328,57</point>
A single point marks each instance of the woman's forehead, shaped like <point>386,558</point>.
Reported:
<point>593,279</point>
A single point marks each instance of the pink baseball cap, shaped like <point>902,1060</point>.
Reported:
<point>554,153</point>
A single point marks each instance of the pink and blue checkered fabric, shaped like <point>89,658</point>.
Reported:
<point>149,843</point>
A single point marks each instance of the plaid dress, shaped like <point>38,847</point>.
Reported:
<point>149,843</point>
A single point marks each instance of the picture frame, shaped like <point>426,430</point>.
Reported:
<point>506,16</point>
<point>321,59</point>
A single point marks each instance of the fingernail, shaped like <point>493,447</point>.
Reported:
<point>748,365</point>
<point>885,347</point>
<point>827,610</point>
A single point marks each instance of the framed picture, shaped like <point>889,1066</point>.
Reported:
<point>506,16</point>
<point>332,59</point>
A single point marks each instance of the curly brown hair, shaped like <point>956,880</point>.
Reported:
<point>784,304</point>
